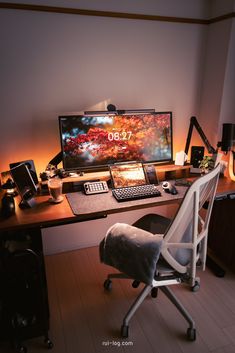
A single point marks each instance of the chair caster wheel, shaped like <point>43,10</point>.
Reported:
<point>108,284</point>
<point>191,334</point>
<point>196,286</point>
<point>48,343</point>
<point>124,331</point>
<point>154,292</point>
<point>135,284</point>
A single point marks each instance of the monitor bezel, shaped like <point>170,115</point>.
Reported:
<point>105,166</point>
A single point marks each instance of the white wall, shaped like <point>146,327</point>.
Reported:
<point>227,114</point>
<point>55,63</point>
<point>213,78</point>
<point>217,100</point>
<point>219,8</point>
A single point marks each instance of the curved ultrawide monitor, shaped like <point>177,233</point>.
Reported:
<point>96,141</point>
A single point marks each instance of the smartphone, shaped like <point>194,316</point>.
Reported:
<point>151,174</point>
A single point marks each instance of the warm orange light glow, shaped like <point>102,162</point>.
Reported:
<point>180,142</point>
<point>40,158</point>
<point>231,166</point>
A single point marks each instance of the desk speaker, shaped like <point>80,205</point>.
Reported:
<point>197,153</point>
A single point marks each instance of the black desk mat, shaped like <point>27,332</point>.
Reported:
<point>99,205</point>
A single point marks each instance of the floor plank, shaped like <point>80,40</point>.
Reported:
<point>84,317</point>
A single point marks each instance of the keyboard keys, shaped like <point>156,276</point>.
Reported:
<point>95,187</point>
<point>136,192</point>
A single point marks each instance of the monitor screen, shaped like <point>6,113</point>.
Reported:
<point>96,141</point>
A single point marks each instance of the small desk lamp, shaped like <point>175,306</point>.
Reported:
<point>226,145</point>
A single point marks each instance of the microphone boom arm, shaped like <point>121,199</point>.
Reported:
<point>194,123</point>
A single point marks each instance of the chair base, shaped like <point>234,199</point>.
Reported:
<point>153,289</point>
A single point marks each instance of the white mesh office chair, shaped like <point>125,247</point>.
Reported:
<point>180,248</point>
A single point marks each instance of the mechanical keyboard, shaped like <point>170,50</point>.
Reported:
<point>136,192</point>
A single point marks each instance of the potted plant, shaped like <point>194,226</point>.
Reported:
<point>206,164</point>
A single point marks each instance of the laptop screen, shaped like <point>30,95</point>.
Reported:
<point>127,174</point>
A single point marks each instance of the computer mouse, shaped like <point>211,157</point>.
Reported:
<point>8,206</point>
<point>168,187</point>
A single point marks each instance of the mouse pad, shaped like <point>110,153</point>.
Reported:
<point>73,202</point>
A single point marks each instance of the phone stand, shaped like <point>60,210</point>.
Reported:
<point>27,203</point>
<point>28,200</point>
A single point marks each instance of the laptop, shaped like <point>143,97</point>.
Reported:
<point>127,174</point>
<point>131,175</point>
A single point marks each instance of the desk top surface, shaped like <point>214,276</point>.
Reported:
<point>45,214</point>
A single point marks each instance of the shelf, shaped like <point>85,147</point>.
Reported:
<point>172,167</point>
<point>172,171</point>
<point>163,171</point>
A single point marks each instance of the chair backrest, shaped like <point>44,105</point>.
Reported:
<point>186,238</point>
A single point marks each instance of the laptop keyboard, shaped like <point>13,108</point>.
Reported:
<point>136,192</point>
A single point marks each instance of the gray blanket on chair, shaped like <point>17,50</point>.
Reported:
<point>132,251</point>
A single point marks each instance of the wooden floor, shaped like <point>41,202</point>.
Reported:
<point>87,319</point>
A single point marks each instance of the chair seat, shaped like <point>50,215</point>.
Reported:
<point>163,267</point>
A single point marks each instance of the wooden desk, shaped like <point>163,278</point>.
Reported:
<point>45,214</point>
